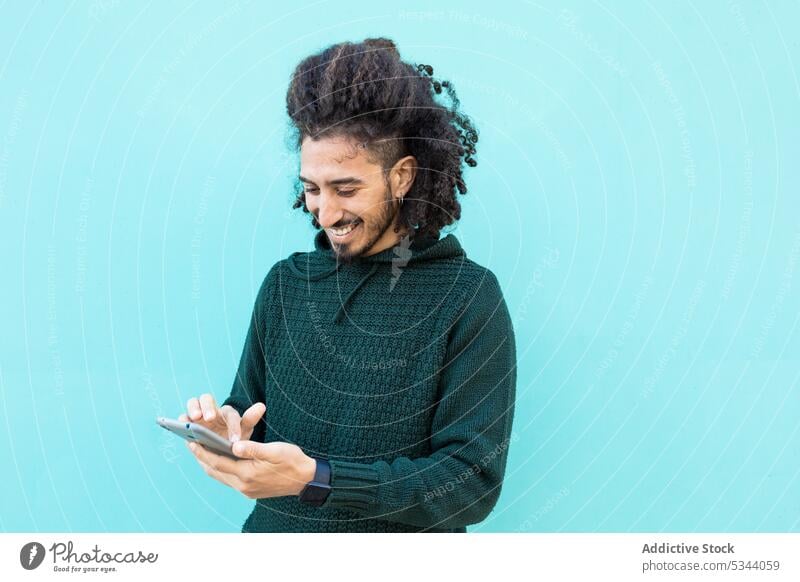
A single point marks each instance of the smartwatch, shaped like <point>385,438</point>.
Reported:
<point>316,491</point>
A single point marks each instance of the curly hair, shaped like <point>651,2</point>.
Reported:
<point>366,92</point>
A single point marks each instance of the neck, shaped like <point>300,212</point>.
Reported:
<point>388,240</point>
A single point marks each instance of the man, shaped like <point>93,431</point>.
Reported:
<point>375,391</point>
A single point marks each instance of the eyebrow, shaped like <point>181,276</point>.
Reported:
<point>350,180</point>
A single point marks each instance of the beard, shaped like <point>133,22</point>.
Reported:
<point>373,228</point>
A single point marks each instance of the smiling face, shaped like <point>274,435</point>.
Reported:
<point>351,196</point>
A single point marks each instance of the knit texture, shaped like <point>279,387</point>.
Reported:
<point>401,369</point>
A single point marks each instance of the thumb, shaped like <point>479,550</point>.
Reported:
<point>248,450</point>
<point>252,415</point>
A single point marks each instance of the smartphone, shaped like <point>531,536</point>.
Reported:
<point>196,433</point>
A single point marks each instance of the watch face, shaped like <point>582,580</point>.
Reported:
<point>315,493</point>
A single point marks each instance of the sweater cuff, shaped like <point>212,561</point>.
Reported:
<point>354,486</point>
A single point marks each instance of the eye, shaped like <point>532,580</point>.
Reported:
<point>311,190</point>
<point>342,192</point>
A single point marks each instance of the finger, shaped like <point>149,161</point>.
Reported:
<point>224,478</point>
<point>254,450</point>
<point>183,418</point>
<point>208,406</point>
<point>233,421</point>
<point>273,452</point>
<point>193,408</point>
<point>231,481</point>
<point>252,415</point>
<point>244,450</point>
<point>220,463</point>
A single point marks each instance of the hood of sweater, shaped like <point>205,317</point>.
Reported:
<point>322,261</point>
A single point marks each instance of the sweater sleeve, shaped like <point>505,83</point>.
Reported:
<point>249,385</point>
<point>460,482</point>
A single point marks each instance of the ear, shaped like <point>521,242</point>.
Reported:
<point>402,175</point>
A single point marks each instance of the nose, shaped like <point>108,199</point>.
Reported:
<point>330,212</point>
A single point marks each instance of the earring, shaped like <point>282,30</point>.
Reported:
<point>401,200</point>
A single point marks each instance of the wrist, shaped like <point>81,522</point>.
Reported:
<point>307,471</point>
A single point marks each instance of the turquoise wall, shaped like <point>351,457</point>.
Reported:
<point>636,195</point>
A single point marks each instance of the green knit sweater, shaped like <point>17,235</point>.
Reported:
<point>401,369</point>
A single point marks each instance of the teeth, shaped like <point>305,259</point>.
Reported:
<point>343,231</point>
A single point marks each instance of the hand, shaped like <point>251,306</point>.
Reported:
<point>263,469</point>
<point>224,421</point>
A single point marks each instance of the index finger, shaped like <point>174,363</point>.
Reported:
<point>208,406</point>
<point>233,421</point>
<point>193,409</point>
